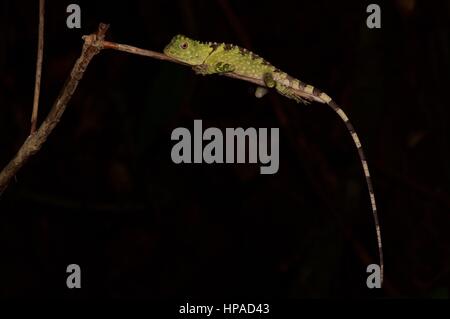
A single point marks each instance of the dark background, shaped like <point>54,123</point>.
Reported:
<point>103,192</point>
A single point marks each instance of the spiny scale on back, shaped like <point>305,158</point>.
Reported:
<point>216,58</point>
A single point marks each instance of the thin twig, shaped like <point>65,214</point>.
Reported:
<point>235,23</point>
<point>92,46</point>
<point>40,53</point>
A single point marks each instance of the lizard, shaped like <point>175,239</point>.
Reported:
<point>218,58</point>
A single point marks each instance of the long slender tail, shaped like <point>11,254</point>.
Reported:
<point>326,99</point>
<point>301,92</point>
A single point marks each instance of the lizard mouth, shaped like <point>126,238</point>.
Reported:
<point>167,51</point>
<point>170,53</point>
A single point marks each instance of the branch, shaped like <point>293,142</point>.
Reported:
<point>161,56</point>
<point>40,53</point>
<point>92,46</point>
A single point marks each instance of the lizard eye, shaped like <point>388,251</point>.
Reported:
<point>184,45</point>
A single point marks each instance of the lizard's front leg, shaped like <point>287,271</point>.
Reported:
<point>221,67</point>
<point>218,68</point>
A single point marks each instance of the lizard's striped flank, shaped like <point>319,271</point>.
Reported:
<point>328,100</point>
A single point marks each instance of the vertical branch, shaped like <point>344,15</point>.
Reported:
<point>235,23</point>
<point>40,53</point>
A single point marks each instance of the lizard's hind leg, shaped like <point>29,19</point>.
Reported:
<point>269,80</point>
<point>261,91</point>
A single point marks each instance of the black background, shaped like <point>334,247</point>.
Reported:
<point>103,192</point>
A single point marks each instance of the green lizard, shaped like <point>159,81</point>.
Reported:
<point>218,58</point>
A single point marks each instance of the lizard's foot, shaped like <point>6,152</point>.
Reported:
<point>288,92</point>
<point>260,92</point>
<point>268,80</point>
<point>201,69</point>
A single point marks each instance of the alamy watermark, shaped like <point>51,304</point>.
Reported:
<point>74,18</point>
<point>373,21</point>
<point>374,279</point>
<point>231,147</point>
<point>74,278</point>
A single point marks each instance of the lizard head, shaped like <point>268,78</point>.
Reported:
<point>187,50</point>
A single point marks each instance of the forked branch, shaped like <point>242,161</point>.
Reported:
<point>93,44</point>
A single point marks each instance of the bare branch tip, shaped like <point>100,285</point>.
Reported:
<point>97,36</point>
<point>102,29</point>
